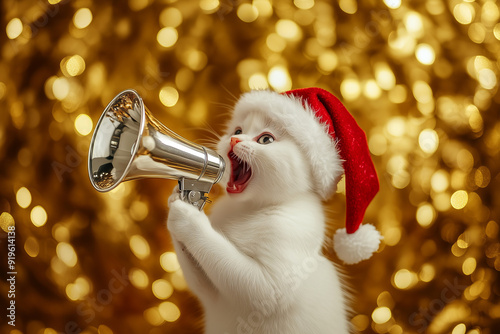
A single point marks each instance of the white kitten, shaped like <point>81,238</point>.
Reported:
<point>256,263</point>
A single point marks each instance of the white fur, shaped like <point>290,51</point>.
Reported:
<point>309,133</point>
<point>358,246</point>
<point>256,263</point>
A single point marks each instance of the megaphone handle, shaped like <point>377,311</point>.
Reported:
<point>194,192</point>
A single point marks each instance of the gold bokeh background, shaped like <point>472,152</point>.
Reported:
<point>421,77</point>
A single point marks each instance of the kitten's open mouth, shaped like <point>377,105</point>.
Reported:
<point>240,174</point>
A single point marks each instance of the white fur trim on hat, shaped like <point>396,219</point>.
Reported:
<point>301,123</point>
<point>358,246</point>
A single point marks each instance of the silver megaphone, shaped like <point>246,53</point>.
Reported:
<point>129,143</point>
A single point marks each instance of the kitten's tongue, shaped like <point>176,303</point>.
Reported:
<point>240,174</point>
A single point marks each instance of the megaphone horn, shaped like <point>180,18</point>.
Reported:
<point>130,143</point>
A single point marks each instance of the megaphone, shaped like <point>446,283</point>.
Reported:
<point>129,143</point>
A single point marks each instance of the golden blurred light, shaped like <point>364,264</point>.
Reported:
<point>60,88</point>
<point>348,6</point>
<point>396,163</point>
<point>304,4</point>
<point>462,241</point>
<point>392,236</point>
<point>469,266</point>
<point>398,94</point>
<point>464,12</point>
<point>209,6</point>
<point>288,30</point>
<point>184,79</point>
<point>32,247</point>
<point>139,246</point>
<point>457,251</point>
<point>162,289</point>
<point>487,78</point>
<point>3,90</point>
<point>167,37</point>
<point>247,12</point>
<point>14,28</point>
<point>23,197</point>
<point>169,311</point>
<point>178,281</point>
<point>169,262</point>
<point>385,299</point>
<point>492,229</point>
<point>138,210</point>
<point>46,330</point>
<point>414,24</point>
<point>384,76</point>
<point>381,315</point>
<point>377,144</point>
<point>371,90</point>
<point>60,232</point>
<point>279,78</point>
<point>198,113</point>
<point>6,220</point>
<point>425,214</point>
<point>103,329</point>
<point>477,32</point>
<point>459,199</point>
<point>73,66</point>
<point>328,61</point>
<point>496,31</point>
<point>422,91</point>
<point>137,5</point>
<point>169,96</point>
<point>82,18</point>
<point>38,216</point>
<point>66,253</point>
<point>275,42</point>
<point>171,17</point>
<point>396,126</point>
<point>427,273</point>
<point>258,81</point>
<point>465,160</point>
<point>264,7</point>
<point>350,89</point>
<point>405,279</point>
<point>459,329</point>
<point>83,124</point>
<point>54,2</point>
<point>425,54</point>
<point>401,179</point>
<point>440,181</point>
<point>139,278</point>
<point>196,60</point>
<point>360,322</point>
<point>428,141</point>
<point>435,7</point>
<point>78,290</point>
<point>490,13</point>
<point>153,316</point>
<point>393,4</point>
<point>482,177</point>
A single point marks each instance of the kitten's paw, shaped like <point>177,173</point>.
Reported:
<point>184,219</point>
<point>176,195</point>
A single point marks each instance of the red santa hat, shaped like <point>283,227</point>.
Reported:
<point>331,139</point>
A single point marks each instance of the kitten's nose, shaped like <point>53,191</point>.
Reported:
<point>234,141</point>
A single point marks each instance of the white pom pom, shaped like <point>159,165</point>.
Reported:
<point>358,246</point>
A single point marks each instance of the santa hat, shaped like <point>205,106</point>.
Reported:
<point>330,137</point>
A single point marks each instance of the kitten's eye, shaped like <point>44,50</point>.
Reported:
<point>265,139</point>
<point>238,132</point>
